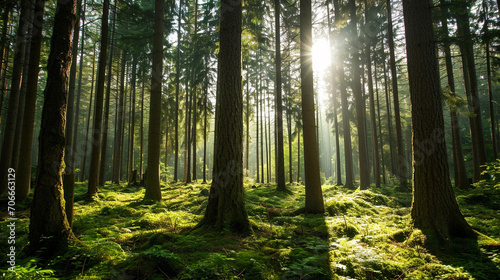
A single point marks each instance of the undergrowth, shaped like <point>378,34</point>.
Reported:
<point>363,235</point>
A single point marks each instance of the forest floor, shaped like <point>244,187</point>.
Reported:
<point>364,235</point>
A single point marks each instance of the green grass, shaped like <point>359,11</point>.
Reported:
<point>363,235</point>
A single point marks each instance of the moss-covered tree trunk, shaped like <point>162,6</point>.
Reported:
<point>153,190</point>
<point>434,208</point>
<point>314,196</point>
<point>226,203</point>
<point>49,226</point>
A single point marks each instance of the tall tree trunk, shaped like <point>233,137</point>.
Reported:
<point>459,163</point>
<point>24,168</point>
<point>194,105</point>
<point>153,190</point>
<point>49,226</point>
<point>79,90</point>
<point>22,92</point>
<point>490,101</point>
<point>389,120</point>
<point>402,170</point>
<point>177,83</point>
<point>349,172</point>
<point>142,129</point>
<point>373,122</point>
<point>280,157</point>
<point>434,209</point>
<point>10,124</point>
<point>132,116</point>
<point>187,135</point>
<point>257,129</point>
<point>268,139</point>
<point>99,102</point>
<point>104,146</point>
<point>247,123</point>
<point>359,102</point>
<point>314,197</point>
<point>89,113</point>
<point>3,40</point>
<point>205,104</point>
<point>298,156</point>
<point>226,202</point>
<point>334,71</point>
<point>118,147</point>
<point>380,129</point>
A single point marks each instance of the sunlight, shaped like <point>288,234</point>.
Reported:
<point>321,63</point>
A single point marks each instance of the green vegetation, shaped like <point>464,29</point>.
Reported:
<point>364,235</point>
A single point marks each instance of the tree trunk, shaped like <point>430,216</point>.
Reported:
<point>389,121</point>
<point>257,128</point>
<point>79,90</point>
<point>3,41</point>
<point>205,102</point>
<point>402,170</point>
<point>298,156</point>
<point>187,135</point>
<point>194,105</point>
<point>118,147</point>
<point>99,102</point>
<point>132,116</point>
<point>142,129</point>
<point>459,163</point>
<point>380,129</point>
<point>466,48</point>
<point>227,199</point>
<point>247,124</point>
<point>49,226</point>
<point>153,190</point>
<point>349,172</point>
<point>280,157</point>
<point>12,110</point>
<point>88,119</point>
<point>434,210</point>
<point>24,168</point>
<point>314,196</point>
<point>104,146</point>
<point>490,101</point>
<point>177,83</point>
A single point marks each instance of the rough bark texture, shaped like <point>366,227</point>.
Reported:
<point>490,101</point>
<point>314,196</point>
<point>118,148</point>
<point>49,226</point>
<point>177,84</point>
<point>434,208</point>
<point>153,190</point>
<point>401,162</point>
<point>24,167</point>
<point>99,104</point>
<point>226,203</point>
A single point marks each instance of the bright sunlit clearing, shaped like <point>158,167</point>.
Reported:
<point>321,62</point>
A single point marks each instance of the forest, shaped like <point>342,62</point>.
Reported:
<point>255,139</point>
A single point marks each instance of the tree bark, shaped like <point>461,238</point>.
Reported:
<point>490,101</point>
<point>153,190</point>
<point>459,163</point>
<point>132,116</point>
<point>466,48</point>
<point>104,146</point>
<point>280,157</point>
<point>118,147</point>
<point>314,197</point>
<point>49,226</point>
<point>23,181</point>
<point>12,110</point>
<point>226,202</point>
<point>402,170</point>
<point>177,84</point>
<point>434,209</point>
<point>89,113</point>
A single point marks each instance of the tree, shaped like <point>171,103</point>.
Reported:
<point>226,202</point>
<point>314,196</point>
<point>49,226</point>
<point>153,190</point>
<point>395,94</point>
<point>10,124</point>
<point>434,209</point>
<point>280,158</point>
<point>24,167</point>
<point>99,104</point>
<point>359,102</point>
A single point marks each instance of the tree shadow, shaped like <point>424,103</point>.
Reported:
<point>475,258</point>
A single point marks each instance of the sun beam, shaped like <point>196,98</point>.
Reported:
<point>321,63</point>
